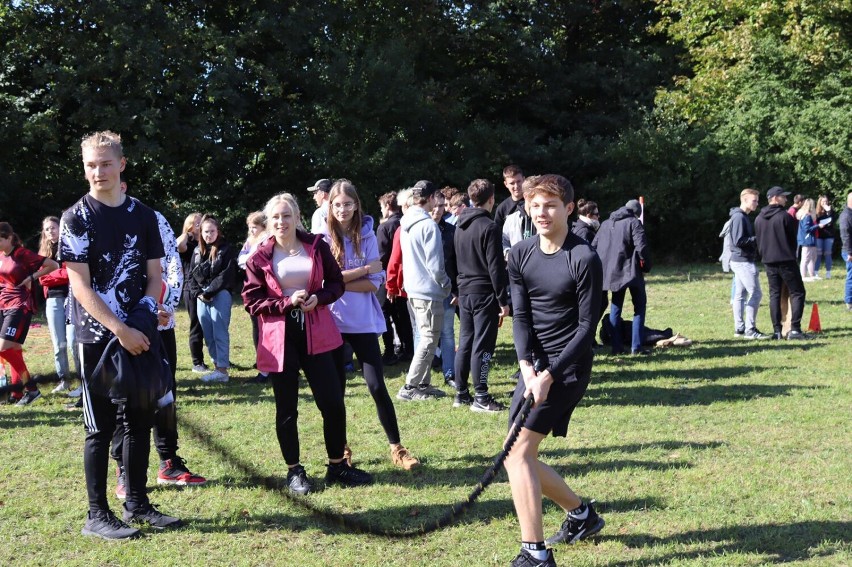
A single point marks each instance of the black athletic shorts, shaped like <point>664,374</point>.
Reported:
<point>16,324</point>
<point>553,415</point>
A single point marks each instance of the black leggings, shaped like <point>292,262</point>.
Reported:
<point>320,373</point>
<point>196,335</point>
<point>366,348</point>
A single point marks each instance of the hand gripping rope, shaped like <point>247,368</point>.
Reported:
<point>455,512</point>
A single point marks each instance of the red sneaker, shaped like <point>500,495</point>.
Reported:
<point>173,471</point>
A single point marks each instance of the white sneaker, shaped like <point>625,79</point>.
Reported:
<point>215,376</point>
<point>828,275</point>
<point>76,392</point>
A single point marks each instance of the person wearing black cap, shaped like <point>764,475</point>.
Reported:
<point>320,190</point>
<point>623,249</point>
<point>776,233</point>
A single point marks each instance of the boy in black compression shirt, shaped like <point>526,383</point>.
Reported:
<point>556,291</point>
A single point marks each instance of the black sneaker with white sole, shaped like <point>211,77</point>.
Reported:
<point>486,404</point>
<point>345,475</point>
<point>297,481</point>
<point>148,514</point>
<point>524,559</point>
<point>573,530</point>
<point>29,397</point>
<point>105,525</point>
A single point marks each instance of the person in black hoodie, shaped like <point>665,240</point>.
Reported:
<point>395,310</point>
<point>776,233</point>
<point>623,249</point>
<point>483,296</point>
<point>743,264</point>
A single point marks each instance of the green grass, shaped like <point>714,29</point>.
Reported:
<point>724,453</point>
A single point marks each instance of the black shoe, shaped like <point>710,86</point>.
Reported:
<point>640,352</point>
<point>297,481</point>
<point>791,336</point>
<point>462,399</point>
<point>105,525</point>
<point>524,559</point>
<point>347,476</point>
<point>574,530</point>
<point>147,514</point>
<point>390,358</point>
<point>486,404</point>
<point>450,380</point>
<point>437,363</point>
<point>29,397</point>
<point>776,336</point>
<point>259,379</point>
<point>73,406</point>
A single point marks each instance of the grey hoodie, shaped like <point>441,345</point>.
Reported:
<point>423,257</point>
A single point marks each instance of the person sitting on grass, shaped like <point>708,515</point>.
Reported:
<point>291,280</point>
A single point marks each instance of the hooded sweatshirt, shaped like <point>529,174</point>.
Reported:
<point>623,249</point>
<point>743,240</point>
<point>776,235</point>
<point>479,255</point>
<point>359,311</point>
<point>423,256</point>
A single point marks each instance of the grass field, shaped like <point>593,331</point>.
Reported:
<point>724,453</point>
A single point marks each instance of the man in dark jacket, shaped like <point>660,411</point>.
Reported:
<point>846,250</point>
<point>483,296</point>
<point>744,267</point>
<point>776,242</point>
<point>623,249</point>
<point>513,179</point>
<point>395,310</point>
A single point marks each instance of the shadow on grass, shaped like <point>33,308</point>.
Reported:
<point>775,543</point>
<point>714,373</point>
<point>692,396</point>
<point>19,418</point>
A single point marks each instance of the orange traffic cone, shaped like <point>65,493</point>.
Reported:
<point>814,325</point>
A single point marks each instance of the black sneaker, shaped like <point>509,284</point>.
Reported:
<point>486,404</point>
<point>462,399</point>
<point>345,475</point>
<point>776,336</point>
<point>793,335</point>
<point>390,358</point>
<point>104,524</point>
<point>524,559</point>
<point>147,514</point>
<point>297,481</point>
<point>261,378</point>
<point>29,397</point>
<point>640,352</point>
<point>574,530</point>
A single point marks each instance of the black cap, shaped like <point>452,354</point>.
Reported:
<point>775,192</point>
<point>321,185</point>
<point>423,189</point>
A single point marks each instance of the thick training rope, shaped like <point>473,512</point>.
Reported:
<point>452,515</point>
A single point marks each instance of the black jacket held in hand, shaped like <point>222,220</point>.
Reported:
<point>209,278</point>
<point>479,255</point>
<point>139,380</point>
<point>623,249</point>
<point>776,234</point>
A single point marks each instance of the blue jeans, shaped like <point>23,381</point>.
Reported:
<point>824,246</point>
<point>848,295</point>
<point>639,299</point>
<point>61,335</point>
<point>215,318</point>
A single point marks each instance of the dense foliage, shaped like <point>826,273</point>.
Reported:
<point>222,104</point>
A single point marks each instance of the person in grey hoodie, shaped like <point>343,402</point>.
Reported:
<point>743,264</point>
<point>427,285</point>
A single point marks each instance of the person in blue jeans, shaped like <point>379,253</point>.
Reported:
<point>845,223</point>
<point>825,218</point>
<point>623,250</point>
<point>213,271</point>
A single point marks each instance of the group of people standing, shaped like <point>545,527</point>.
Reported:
<point>789,243</point>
